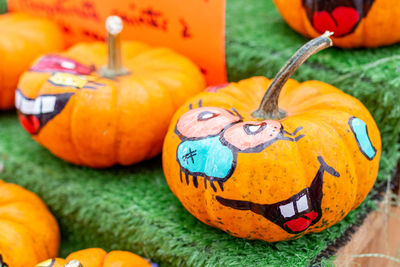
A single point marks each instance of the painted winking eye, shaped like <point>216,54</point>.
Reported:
<point>204,121</point>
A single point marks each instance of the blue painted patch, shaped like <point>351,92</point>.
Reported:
<point>360,132</point>
<point>206,157</point>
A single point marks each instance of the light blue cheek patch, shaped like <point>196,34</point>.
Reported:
<point>360,132</point>
<point>208,158</point>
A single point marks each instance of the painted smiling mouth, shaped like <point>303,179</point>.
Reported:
<point>35,113</point>
<point>295,214</point>
<point>339,16</point>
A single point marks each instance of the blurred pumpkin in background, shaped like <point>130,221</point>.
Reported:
<point>355,23</point>
<point>28,231</point>
<point>97,257</point>
<point>99,116</point>
<point>22,39</point>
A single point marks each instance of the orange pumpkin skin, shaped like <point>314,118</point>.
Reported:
<point>28,231</point>
<point>367,23</point>
<point>22,39</point>
<point>103,122</point>
<point>96,257</point>
<point>267,168</point>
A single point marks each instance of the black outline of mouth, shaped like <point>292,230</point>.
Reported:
<point>59,104</point>
<point>313,6</point>
<point>273,213</point>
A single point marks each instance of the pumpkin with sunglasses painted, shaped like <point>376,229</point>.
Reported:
<point>22,39</point>
<point>355,23</point>
<point>98,117</point>
<point>288,168</point>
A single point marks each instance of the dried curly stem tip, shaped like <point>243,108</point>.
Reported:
<point>269,108</point>
<point>114,66</point>
<point>73,263</point>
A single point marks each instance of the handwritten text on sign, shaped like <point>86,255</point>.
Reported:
<point>195,28</point>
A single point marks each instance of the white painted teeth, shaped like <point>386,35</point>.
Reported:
<point>302,204</point>
<point>40,105</point>
<point>254,128</point>
<point>287,210</point>
<point>290,209</point>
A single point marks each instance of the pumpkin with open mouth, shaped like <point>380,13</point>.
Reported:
<point>298,163</point>
<point>99,116</point>
<point>355,23</point>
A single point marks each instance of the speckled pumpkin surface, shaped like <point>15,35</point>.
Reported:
<point>97,257</point>
<point>86,119</point>
<point>22,39</point>
<point>268,179</point>
<point>365,23</point>
<point>28,231</point>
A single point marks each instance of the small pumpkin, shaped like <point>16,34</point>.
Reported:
<point>22,39</point>
<point>355,23</point>
<point>99,116</point>
<point>97,257</point>
<point>292,166</point>
<point>28,231</point>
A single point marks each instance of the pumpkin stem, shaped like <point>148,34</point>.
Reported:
<point>73,263</point>
<point>269,108</point>
<point>114,66</point>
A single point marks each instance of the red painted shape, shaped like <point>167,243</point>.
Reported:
<point>30,123</point>
<point>301,224</point>
<point>341,21</point>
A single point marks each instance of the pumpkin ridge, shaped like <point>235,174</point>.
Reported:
<point>36,248</point>
<point>30,230</point>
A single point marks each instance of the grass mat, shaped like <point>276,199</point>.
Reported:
<point>132,208</point>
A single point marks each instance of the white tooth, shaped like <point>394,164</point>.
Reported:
<point>67,65</point>
<point>36,106</point>
<point>18,99</point>
<point>254,128</point>
<point>287,210</point>
<point>48,103</point>
<point>302,204</point>
<point>27,106</point>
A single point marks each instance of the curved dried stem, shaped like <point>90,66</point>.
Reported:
<point>269,108</point>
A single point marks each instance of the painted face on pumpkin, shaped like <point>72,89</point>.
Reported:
<point>212,137</point>
<point>339,16</point>
<point>35,113</point>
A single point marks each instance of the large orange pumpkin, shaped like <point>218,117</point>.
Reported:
<point>22,39</point>
<point>28,231</point>
<point>355,23</point>
<point>288,168</point>
<point>97,257</point>
<point>69,107</point>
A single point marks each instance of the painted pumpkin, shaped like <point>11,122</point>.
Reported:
<point>22,39</point>
<point>355,23</point>
<point>95,116</point>
<point>28,231</point>
<point>288,168</point>
<point>97,257</point>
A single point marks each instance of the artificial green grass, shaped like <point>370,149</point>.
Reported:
<point>132,208</point>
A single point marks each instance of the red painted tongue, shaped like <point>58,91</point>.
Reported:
<point>30,123</point>
<point>301,224</point>
<point>341,21</point>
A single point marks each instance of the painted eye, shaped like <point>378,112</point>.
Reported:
<point>204,121</point>
<point>252,137</point>
<point>252,129</point>
<point>67,65</point>
<point>206,115</point>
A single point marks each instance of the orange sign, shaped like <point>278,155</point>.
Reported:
<point>195,28</point>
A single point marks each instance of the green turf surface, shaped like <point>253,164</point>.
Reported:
<point>132,208</point>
